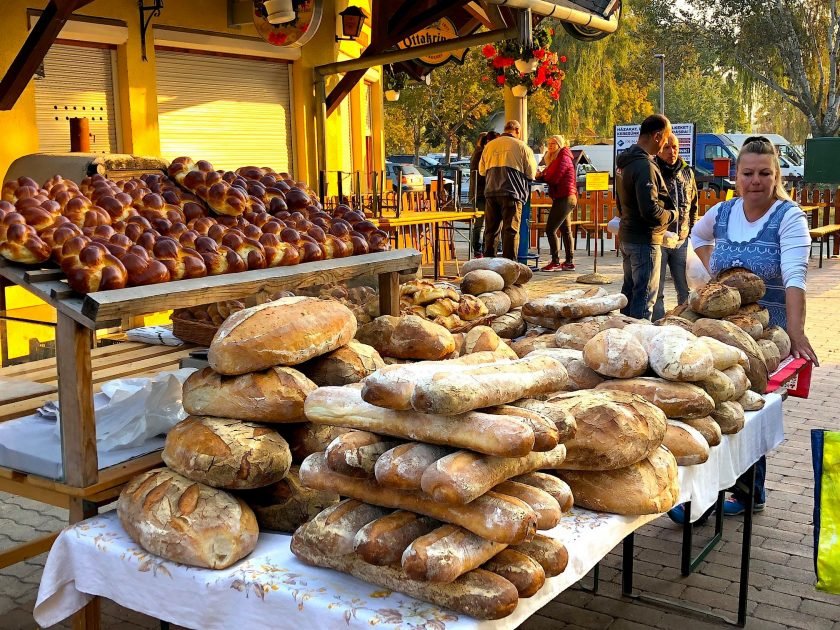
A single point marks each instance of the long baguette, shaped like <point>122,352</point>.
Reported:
<point>505,436</point>
<point>479,593</point>
<point>463,476</point>
<point>525,573</point>
<point>458,390</point>
<point>587,307</point>
<point>403,466</point>
<point>546,506</point>
<point>339,523</point>
<point>562,419</point>
<point>383,541</point>
<point>555,486</point>
<point>393,385</point>
<point>355,452</point>
<point>492,516</point>
<point>549,552</point>
<point>546,435</point>
<point>447,553</point>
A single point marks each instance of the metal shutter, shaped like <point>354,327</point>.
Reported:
<point>367,98</point>
<point>232,112</point>
<point>79,83</point>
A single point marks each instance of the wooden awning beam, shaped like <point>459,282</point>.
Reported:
<point>35,48</point>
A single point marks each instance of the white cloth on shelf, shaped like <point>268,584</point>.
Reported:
<point>154,336</point>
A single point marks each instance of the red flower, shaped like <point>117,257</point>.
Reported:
<point>278,38</point>
<point>562,58</point>
<point>485,78</point>
<point>500,79</point>
<point>488,51</point>
<point>539,53</point>
<point>502,62</point>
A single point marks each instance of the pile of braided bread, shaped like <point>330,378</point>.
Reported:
<point>194,221</point>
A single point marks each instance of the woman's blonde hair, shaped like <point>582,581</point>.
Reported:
<point>759,145</point>
<point>561,142</point>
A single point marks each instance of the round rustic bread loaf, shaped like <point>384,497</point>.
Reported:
<point>708,428</point>
<point>482,281</point>
<point>614,429</point>
<point>518,295</point>
<point>738,376</point>
<point>481,339</point>
<point>729,333</point>
<point>751,401</point>
<point>507,269</point>
<point>273,395</point>
<point>407,337</point>
<point>683,311</point>
<point>687,444</point>
<point>724,355</point>
<point>676,400</point>
<point>674,320</point>
<point>778,336</point>
<point>757,311</point>
<point>470,308</point>
<point>719,386</point>
<point>307,438</point>
<point>525,273</point>
<point>510,325</point>
<point>497,302</point>
<point>527,345</point>
<point>748,324</point>
<point>715,300</point>
<point>617,353</point>
<point>581,376</point>
<point>226,453</point>
<point>745,282</point>
<point>348,364</point>
<point>180,520</point>
<point>772,357</point>
<point>730,416</point>
<point>679,358</point>
<point>576,335</point>
<point>288,331</point>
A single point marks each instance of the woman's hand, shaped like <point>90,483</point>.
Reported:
<point>800,348</point>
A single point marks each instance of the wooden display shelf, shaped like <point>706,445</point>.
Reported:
<point>77,372</point>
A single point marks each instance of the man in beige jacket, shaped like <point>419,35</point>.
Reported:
<point>508,166</point>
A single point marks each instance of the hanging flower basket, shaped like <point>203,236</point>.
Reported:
<point>394,83</point>
<point>392,95</point>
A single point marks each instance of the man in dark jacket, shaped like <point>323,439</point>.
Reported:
<point>477,190</point>
<point>646,209</point>
<point>683,190</point>
<point>508,166</point>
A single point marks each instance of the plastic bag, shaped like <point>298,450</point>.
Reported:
<point>613,225</point>
<point>137,409</point>
<point>825,452</point>
<point>696,273</point>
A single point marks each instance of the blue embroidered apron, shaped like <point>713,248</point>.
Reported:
<point>762,255</point>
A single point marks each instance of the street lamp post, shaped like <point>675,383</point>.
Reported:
<point>661,58</point>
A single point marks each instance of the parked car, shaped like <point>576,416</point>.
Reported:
<point>411,178</point>
<point>430,175</point>
<point>791,158</point>
<point>405,158</point>
<point>711,146</point>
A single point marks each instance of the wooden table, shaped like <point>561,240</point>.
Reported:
<point>84,487</point>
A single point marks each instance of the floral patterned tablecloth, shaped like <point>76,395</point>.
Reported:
<point>271,588</point>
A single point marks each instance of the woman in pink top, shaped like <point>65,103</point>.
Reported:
<point>559,174</point>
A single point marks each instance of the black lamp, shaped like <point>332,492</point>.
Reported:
<point>352,21</point>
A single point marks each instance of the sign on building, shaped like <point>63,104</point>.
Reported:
<point>626,136</point>
<point>440,31</point>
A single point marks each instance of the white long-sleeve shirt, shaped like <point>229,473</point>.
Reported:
<point>793,237</point>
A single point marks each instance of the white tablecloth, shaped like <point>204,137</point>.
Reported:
<point>763,431</point>
<point>271,588</point>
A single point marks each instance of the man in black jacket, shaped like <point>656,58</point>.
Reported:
<point>645,208</point>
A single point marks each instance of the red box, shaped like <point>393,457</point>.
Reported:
<point>720,167</point>
<point>794,375</point>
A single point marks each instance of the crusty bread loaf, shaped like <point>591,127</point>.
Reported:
<point>615,352</point>
<point>286,505</point>
<point>549,552</point>
<point>676,400</point>
<point>492,516</point>
<point>510,325</point>
<point>751,401</point>
<point>393,386</point>
<point>478,593</point>
<point>724,355</point>
<point>288,331</point>
<point>554,486</point>
<point>518,295</point>
<point>470,308</point>
<point>355,453</point>
<point>673,320</point>
<point>757,311</point>
<point>684,312</point>
<point>525,273</point>
<point>708,428</point>
<point>187,522</point>
<point>526,345</point>
<point>337,525</point>
<point>348,364</point>
<point>739,379</point>
<point>546,434</point>
<point>506,436</point>
<point>497,302</point>
<point>679,358</point>
<point>614,429</point>
<point>525,573</point>
<point>778,336</point>
<point>750,286</point>
<point>507,269</point>
<point>687,444</point>
<point>772,357</point>
<point>407,337</point>
<point>383,541</point>
<point>482,281</point>
<point>274,395</point>
<point>576,335</point>
<point>481,339</point>
<point>226,453</point>
<point>403,466</point>
<point>463,476</point>
<point>646,487</point>
<point>547,508</point>
<point>446,553</point>
<point>747,323</point>
<point>729,416</point>
<point>715,300</point>
<point>586,307</point>
<point>729,333</point>
<point>306,438</point>
<point>460,389</point>
<point>719,386</point>
<point>581,376</point>
<point>546,310</point>
<point>562,419</point>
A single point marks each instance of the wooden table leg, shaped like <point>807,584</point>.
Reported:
<point>389,293</point>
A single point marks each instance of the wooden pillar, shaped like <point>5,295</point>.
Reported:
<point>517,109</point>
<point>389,293</point>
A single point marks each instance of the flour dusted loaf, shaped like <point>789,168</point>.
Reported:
<point>617,353</point>
<point>715,300</point>
<point>614,429</point>
<point>708,428</point>
<point>750,287</point>
<point>686,443</point>
<point>751,401</point>
<point>382,542</point>
<point>188,522</point>
<point>274,395</point>
<point>757,311</point>
<point>646,487</point>
<point>525,573</point>
<point>549,552</point>
<point>227,453</point>
<point>355,453</point>
<point>510,325</point>
<point>589,306</point>
<point>348,364</point>
<point>403,466</point>
<point>306,438</point>
<point>730,334</point>
<point>778,336</point>
<point>719,386</point>
<point>496,302</point>
<point>680,358</point>
<point>446,553</point>
<point>288,331</point>
<point>729,416</point>
<point>554,486</point>
<point>772,357</point>
<point>740,382</point>
<point>507,269</point>
<point>482,281</point>
<point>723,355</point>
<point>407,337</point>
<point>518,295</point>
<point>576,335</point>
<point>546,433</point>
<point>747,323</point>
<point>676,400</point>
<point>531,343</point>
<point>286,505</point>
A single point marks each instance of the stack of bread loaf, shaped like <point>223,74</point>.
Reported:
<point>195,222</point>
<point>441,469</point>
<point>230,463</point>
<point>214,313</point>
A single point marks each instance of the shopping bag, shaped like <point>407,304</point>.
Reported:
<point>696,273</point>
<point>825,453</point>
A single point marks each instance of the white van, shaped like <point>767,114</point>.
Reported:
<point>790,159</point>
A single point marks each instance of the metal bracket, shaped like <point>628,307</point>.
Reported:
<point>145,20</point>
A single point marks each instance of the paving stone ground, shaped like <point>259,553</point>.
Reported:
<point>782,593</point>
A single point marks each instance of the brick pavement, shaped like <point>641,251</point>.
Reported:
<point>782,594</point>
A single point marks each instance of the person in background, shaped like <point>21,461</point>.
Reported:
<point>477,190</point>
<point>508,166</point>
<point>683,190</point>
<point>560,175</point>
<point>764,231</point>
<point>646,209</point>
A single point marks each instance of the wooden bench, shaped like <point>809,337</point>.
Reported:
<point>823,227</point>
